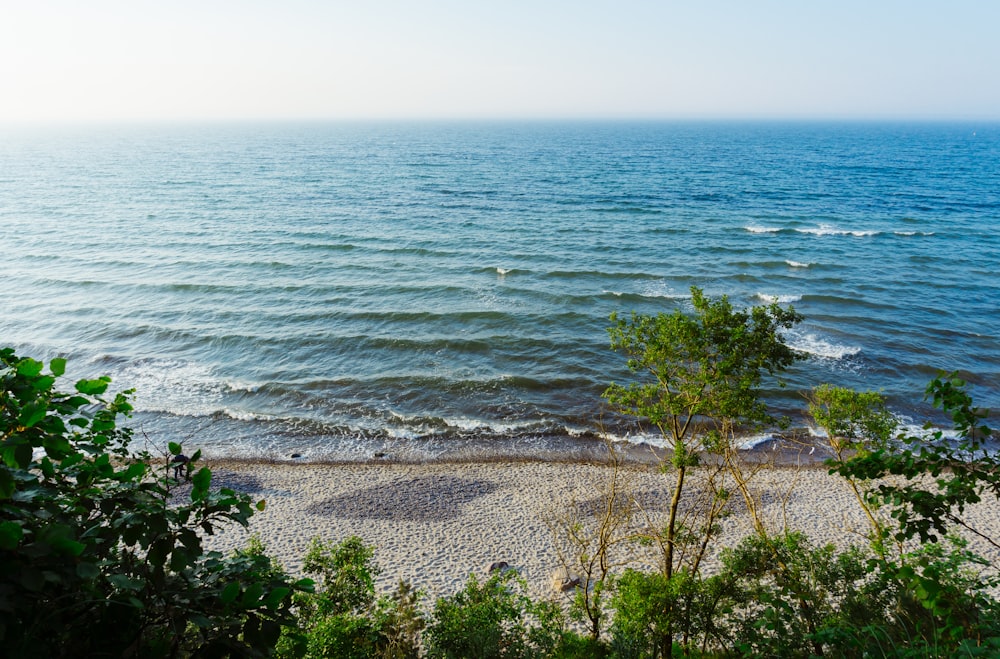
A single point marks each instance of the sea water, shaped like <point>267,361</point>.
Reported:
<point>340,290</point>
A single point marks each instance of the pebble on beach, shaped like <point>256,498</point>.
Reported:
<point>435,524</point>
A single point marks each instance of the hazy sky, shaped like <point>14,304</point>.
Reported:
<point>251,59</point>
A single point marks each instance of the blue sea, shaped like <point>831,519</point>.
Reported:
<point>442,290</point>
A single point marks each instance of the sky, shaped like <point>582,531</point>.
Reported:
<point>140,60</point>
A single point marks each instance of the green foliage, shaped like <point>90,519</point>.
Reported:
<point>790,590</point>
<point>589,603</point>
<point>706,366</point>
<point>101,556</point>
<point>400,621</point>
<point>95,559</point>
<point>782,596</point>
<point>346,574</point>
<point>939,599</point>
<point>799,600</point>
<point>494,619</point>
<point>858,421</point>
<point>699,373</point>
<point>342,618</point>
<point>656,615</point>
<point>962,471</point>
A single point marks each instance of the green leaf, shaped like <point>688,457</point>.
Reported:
<point>123,582</point>
<point>260,505</point>
<point>31,414</point>
<point>275,596</point>
<point>87,571</point>
<point>202,479</point>
<point>68,546</point>
<point>6,484</point>
<point>180,558</point>
<point>174,448</point>
<point>22,455</point>
<point>43,383</point>
<point>29,368</point>
<point>201,621</point>
<point>252,595</point>
<point>58,366</point>
<point>77,401</point>
<point>10,535</point>
<point>230,593</point>
<point>93,387</point>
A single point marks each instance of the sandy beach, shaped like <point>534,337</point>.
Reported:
<point>434,524</point>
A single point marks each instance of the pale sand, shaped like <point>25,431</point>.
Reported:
<point>434,524</point>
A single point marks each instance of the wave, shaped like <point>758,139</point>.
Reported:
<point>846,302</point>
<point>820,347</point>
<point>906,427</point>
<point>414,317</point>
<point>171,385</point>
<point>774,265</point>
<point>780,299</point>
<point>413,426</point>
<point>759,229</point>
<point>646,294</point>
<point>828,230</point>
<point>656,440</point>
<point>913,233</point>
<point>573,274</point>
<point>753,441</point>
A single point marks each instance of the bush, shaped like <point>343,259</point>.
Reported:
<point>95,558</point>
<point>495,619</point>
<point>342,618</point>
<point>656,615</point>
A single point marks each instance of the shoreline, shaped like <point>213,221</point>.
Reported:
<point>434,524</point>
<point>777,451</point>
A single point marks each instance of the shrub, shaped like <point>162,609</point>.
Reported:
<point>656,615</point>
<point>343,618</point>
<point>494,619</point>
<point>95,558</point>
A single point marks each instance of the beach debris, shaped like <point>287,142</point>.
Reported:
<point>563,580</point>
<point>381,454</point>
<point>296,456</point>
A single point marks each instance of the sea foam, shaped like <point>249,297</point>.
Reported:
<point>780,299</point>
<point>828,230</point>
<point>817,346</point>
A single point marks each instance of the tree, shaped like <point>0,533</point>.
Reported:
<point>856,423</point>
<point>95,557</point>
<point>590,538</point>
<point>699,381</point>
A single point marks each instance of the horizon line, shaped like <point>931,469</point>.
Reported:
<point>849,119</point>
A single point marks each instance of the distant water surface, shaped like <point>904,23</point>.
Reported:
<point>443,289</point>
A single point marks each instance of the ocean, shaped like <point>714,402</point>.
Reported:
<point>336,291</point>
